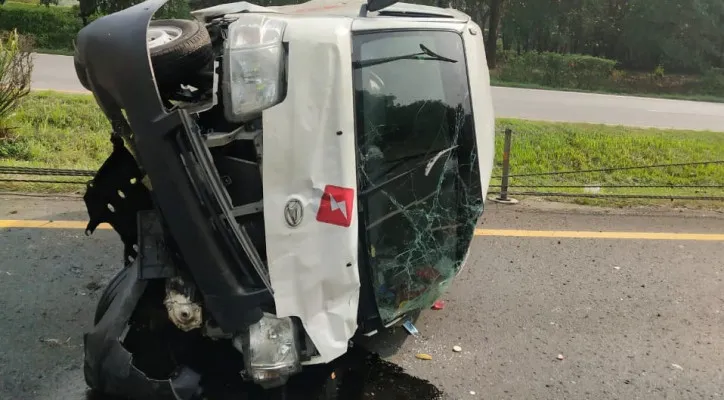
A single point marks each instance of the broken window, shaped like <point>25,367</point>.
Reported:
<point>418,176</point>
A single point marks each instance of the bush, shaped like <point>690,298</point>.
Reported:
<point>712,82</point>
<point>52,28</point>
<point>659,72</point>
<point>26,1</point>
<point>558,70</point>
<point>16,68</point>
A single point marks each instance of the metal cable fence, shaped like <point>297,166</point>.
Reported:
<point>568,165</point>
<point>29,174</point>
<point>547,165</point>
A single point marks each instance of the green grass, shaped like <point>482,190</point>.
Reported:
<point>544,147</point>
<point>56,130</point>
<point>59,52</point>
<point>69,131</point>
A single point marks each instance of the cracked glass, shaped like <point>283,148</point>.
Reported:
<point>418,176</point>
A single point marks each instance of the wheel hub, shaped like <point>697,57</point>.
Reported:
<point>160,35</point>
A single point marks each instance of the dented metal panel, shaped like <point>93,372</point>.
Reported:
<point>309,163</point>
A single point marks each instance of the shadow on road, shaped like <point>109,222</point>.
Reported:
<point>367,377</point>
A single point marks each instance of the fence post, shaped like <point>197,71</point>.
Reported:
<point>503,196</point>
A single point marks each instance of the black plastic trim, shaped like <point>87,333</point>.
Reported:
<point>117,65</point>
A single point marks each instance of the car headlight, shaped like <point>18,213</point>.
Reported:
<point>271,350</point>
<point>253,66</point>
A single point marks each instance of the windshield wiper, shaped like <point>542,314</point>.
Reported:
<point>425,54</point>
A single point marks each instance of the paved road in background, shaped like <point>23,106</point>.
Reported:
<point>634,319</point>
<point>57,73</point>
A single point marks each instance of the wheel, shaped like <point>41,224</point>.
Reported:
<point>179,48</point>
<point>109,293</point>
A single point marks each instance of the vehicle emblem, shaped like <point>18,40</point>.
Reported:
<point>336,206</point>
<point>294,212</point>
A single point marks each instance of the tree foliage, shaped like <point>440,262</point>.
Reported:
<point>16,67</point>
<point>661,35</point>
<point>88,9</point>
<point>682,35</point>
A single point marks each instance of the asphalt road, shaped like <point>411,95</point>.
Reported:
<point>57,73</point>
<point>633,319</point>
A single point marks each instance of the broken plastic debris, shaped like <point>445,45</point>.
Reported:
<point>677,366</point>
<point>457,349</point>
<point>423,356</point>
<point>616,268</point>
<point>472,392</point>
<point>438,305</point>
<point>560,357</point>
<point>54,342</point>
<point>410,328</point>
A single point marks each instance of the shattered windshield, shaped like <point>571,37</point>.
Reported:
<point>419,181</point>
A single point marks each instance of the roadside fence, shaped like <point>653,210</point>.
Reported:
<point>60,176</point>
<point>678,181</point>
<point>525,175</point>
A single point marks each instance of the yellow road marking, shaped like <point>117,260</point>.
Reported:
<point>41,224</point>
<point>601,235</point>
<point>33,223</point>
<point>61,91</point>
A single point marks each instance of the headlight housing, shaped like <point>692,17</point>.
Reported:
<point>253,66</point>
<point>271,350</point>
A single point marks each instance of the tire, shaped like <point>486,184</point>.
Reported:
<point>183,56</point>
<point>176,60</point>
<point>109,293</point>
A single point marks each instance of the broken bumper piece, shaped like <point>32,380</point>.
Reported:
<point>108,365</point>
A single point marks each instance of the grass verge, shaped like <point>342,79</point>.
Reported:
<point>545,147</point>
<point>62,130</point>
<point>54,130</point>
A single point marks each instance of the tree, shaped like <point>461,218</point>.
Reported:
<point>86,9</point>
<point>491,45</point>
<point>16,68</point>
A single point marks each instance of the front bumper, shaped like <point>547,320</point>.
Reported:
<point>167,145</point>
<point>108,365</point>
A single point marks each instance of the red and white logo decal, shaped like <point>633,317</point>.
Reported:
<point>336,206</point>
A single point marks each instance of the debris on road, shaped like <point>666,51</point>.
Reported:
<point>457,349</point>
<point>54,342</point>
<point>472,392</point>
<point>560,357</point>
<point>439,305</point>
<point>677,366</point>
<point>410,328</point>
<point>617,268</point>
<point>423,356</point>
